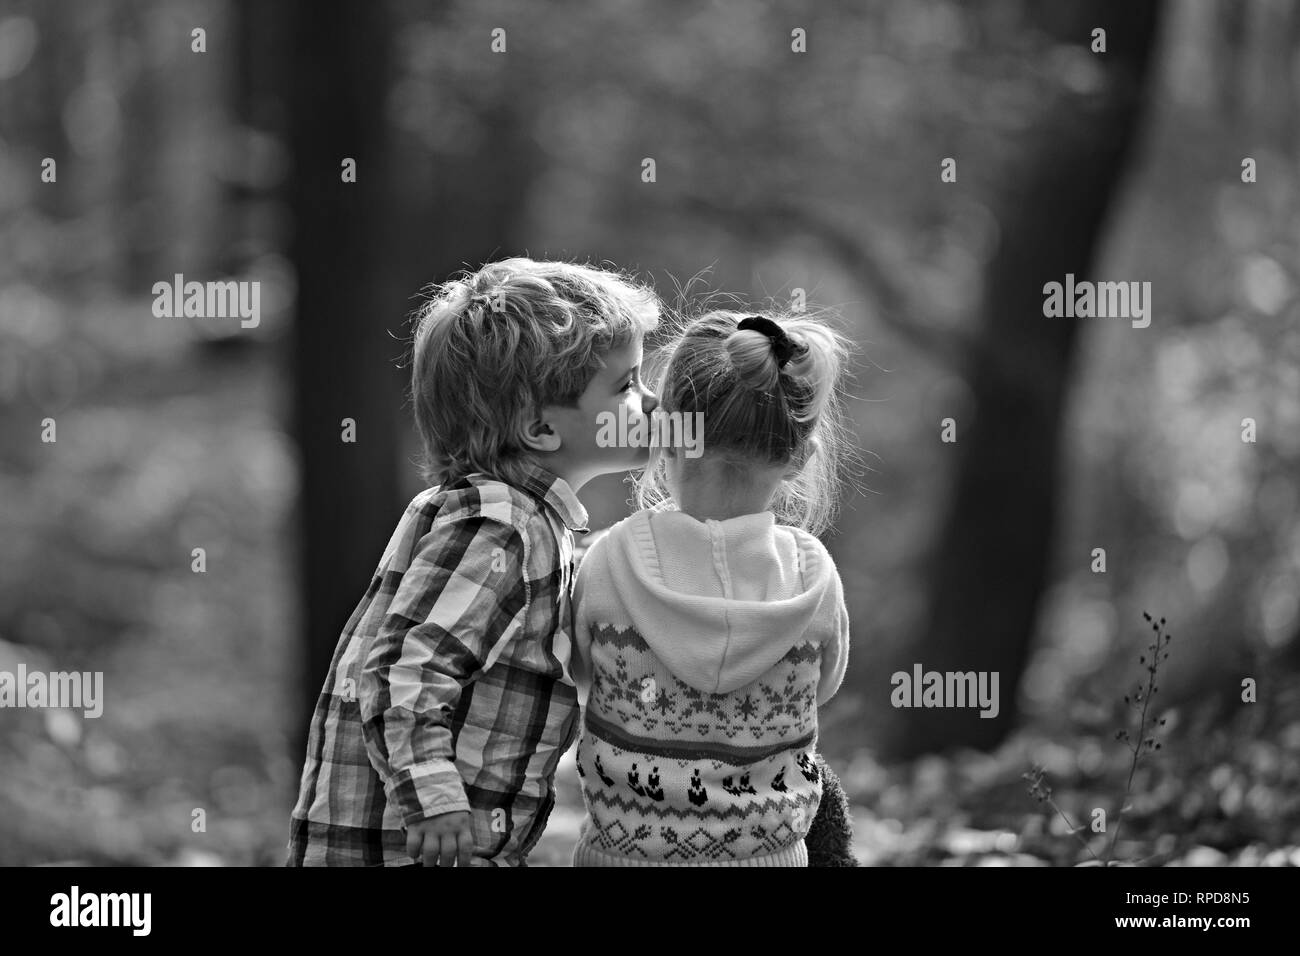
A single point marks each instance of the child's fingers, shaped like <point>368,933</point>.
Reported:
<point>447,850</point>
<point>429,852</point>
<point>464,848</point>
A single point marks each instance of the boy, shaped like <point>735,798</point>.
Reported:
<point>449,699</point>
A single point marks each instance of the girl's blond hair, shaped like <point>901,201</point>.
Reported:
<point>756,411</point>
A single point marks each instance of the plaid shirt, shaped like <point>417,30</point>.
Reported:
<point>450,687</point>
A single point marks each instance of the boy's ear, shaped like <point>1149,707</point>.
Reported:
<point>539,436</point>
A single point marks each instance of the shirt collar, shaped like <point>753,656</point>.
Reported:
<point>555,491</point>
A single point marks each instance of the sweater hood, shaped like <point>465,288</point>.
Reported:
<point>720,602</point>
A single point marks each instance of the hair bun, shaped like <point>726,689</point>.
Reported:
<point>785,347</point>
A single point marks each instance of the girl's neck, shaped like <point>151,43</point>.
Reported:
<point>710,493</point>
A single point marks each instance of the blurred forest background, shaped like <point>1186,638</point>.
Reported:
<point>776,171</point>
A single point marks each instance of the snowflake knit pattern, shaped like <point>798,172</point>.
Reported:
<point>698,738</point>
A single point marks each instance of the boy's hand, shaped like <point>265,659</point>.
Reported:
<point>444,840</point>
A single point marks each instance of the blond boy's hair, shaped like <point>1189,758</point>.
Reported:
<point>492,347</point>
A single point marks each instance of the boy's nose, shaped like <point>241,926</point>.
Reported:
<point>649,402</point>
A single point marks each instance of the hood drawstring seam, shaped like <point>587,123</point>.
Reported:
<point>719,543</point>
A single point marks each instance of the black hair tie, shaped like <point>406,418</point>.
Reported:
<point>784,346</point>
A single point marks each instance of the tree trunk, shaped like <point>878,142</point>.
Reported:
<point>342,352</point>
<point>994,549</point>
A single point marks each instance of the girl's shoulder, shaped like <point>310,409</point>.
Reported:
<point>594,549</point>
<point>804,541</point>
<point>634,528</point>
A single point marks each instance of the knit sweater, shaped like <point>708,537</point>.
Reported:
<point>703,649</point>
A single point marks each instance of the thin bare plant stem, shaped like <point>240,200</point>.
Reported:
<point>1073,829</point>
<point>1137,747</point>
<point>1043,793</point>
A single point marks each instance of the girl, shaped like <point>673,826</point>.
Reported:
<point>707,636</point>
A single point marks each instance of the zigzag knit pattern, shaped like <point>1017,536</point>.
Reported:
<point>672,774</point>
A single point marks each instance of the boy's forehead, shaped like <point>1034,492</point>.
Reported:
<point>624,354</point>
